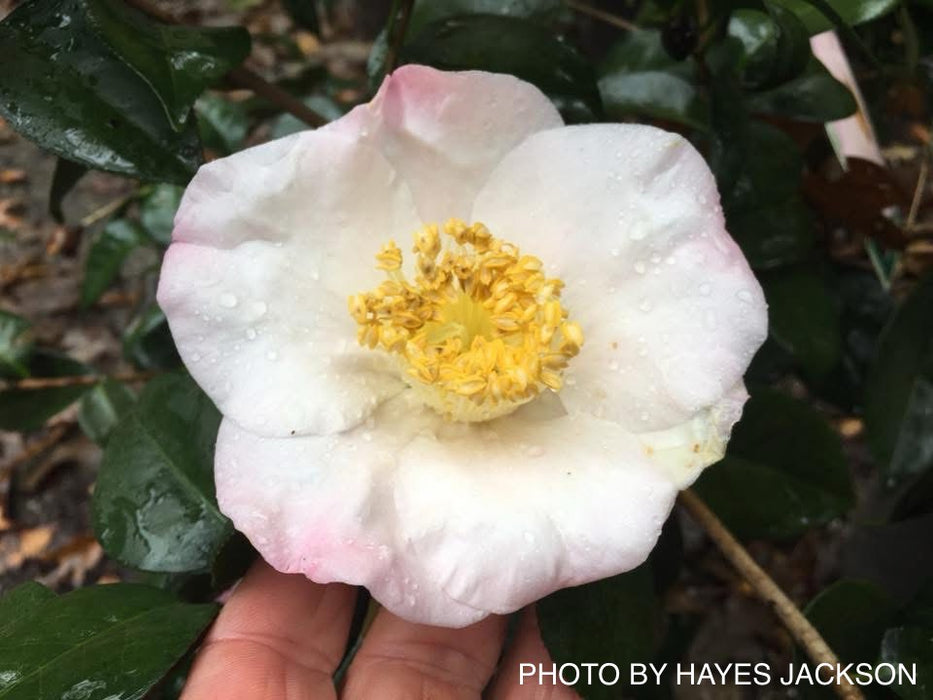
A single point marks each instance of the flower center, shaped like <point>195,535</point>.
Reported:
<point>480,330</point>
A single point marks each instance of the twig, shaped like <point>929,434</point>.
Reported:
<point>106,210</point>
<point>245,78</point>
<point>53,436</point>
<point>798,625</point>
<point>78,380</point>
<point>601,15</point>
<point>398,27</point>
<point>918,193</point>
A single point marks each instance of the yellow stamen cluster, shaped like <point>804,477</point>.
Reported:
<point>480,329</point>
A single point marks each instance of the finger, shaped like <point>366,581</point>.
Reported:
<point>527,649</point>
<point>279,636</point>
<point>401,659</point>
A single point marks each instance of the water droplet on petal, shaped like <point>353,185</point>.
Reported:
<point>227,300</point>
<point>640,267</point>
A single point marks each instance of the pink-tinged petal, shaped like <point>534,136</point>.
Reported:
<point>445,132</point>
<point>629,217</point>
<point>268,245</point>
<point>443,522</point>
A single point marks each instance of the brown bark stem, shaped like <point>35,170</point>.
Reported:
<point>799,626</point>
<point>77,380</point>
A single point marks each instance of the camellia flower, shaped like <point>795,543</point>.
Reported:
<point>466,355</point>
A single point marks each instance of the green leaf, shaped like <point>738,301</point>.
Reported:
<point>502,44</point>
<point>148,342</point>
<point>851,12</point>
<point>852,615</point>
<point>177,62</point>
<point>98,642</point>
<point>773,234</point>
<point>15,345</point>
<point>108,251</point>
<point>64,179</point>
<point>803,317</point>
<point>102,408</point>
<point>638,77</point>
<point>788,55</point>
<point>157,211</point>
<point>617,618</point>
<point>899,392</point>
<point>29,409</point>
<point>303,13</point>
<point>913,647</point>
<point>788,466</point>
<point>64,88</point>
<point>427,11</point>
<point>814,96</point>
<point>154,504</point>
<point>22,602</point>
<point>222,123</point>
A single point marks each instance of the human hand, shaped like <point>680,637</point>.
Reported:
<point>280,637</point>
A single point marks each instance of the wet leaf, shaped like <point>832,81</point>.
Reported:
<point>639,78</point>
<point>813,96</point>
<point>851,12</point>
<point>148,341</point>
<point>788,465</point>
<point>15,345</point>
<point>852,615</point>
<point>177,62</point>
<point>154,504</point>
<point>108,251</point>
<point>802,317</point>
<point>899,394</point>
<point>222,123</point>
<point>501,44</point>
<point>584,623</point>
<point>911,646</point>
<point>73,96</point>
<point>157,211</point>
<point>103,641</point>
<point>103,407</point>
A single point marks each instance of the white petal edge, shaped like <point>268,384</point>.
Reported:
<point>629,217</point>
<point>446,131</point>
<point>268,245</point>
<point>447,523</point>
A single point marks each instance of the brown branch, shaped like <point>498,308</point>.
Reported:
<point>601,15</point>
<point>245,78</point>
<point>33,449</point>
<point>918,193</point>
<point>78,380</point>
<point>798,625</point>
<point>398,30</point>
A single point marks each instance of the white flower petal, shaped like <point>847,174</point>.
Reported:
<point>445,523</point>
<point>446,131</point>
<point>268,245</point>
<point>628,216</point>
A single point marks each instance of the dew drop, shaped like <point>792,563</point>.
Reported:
<point>227,300</point>
<point>744,295</point>
<point>640,267</point>
<point>615,252</point>
<point>251,334</point>
<point>272,355</point>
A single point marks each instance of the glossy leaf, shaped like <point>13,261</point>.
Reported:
<point>788,466</point>
<point>617,618</point>
<point>427,11</point>
<point>15,344</point>
<point>913,647</point>
<point>851,12</point>
<point>29,409</point>
<point>773,234</point>
<point>102,408</point>
<point>103,641</point>
<point>501,44</point>
<point>852,616</point>
<point>148,341</point>
<point>222,123</point>
<point>177,62</point>
<point>74,97</point>
<point>108,251</point>
<point>802,317</point>
<point>899,395</point>
<point>154,504</point>
<point>814,96</point>
<point>157,211</point>
<point>639,78</point>
<point>20,603</point>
